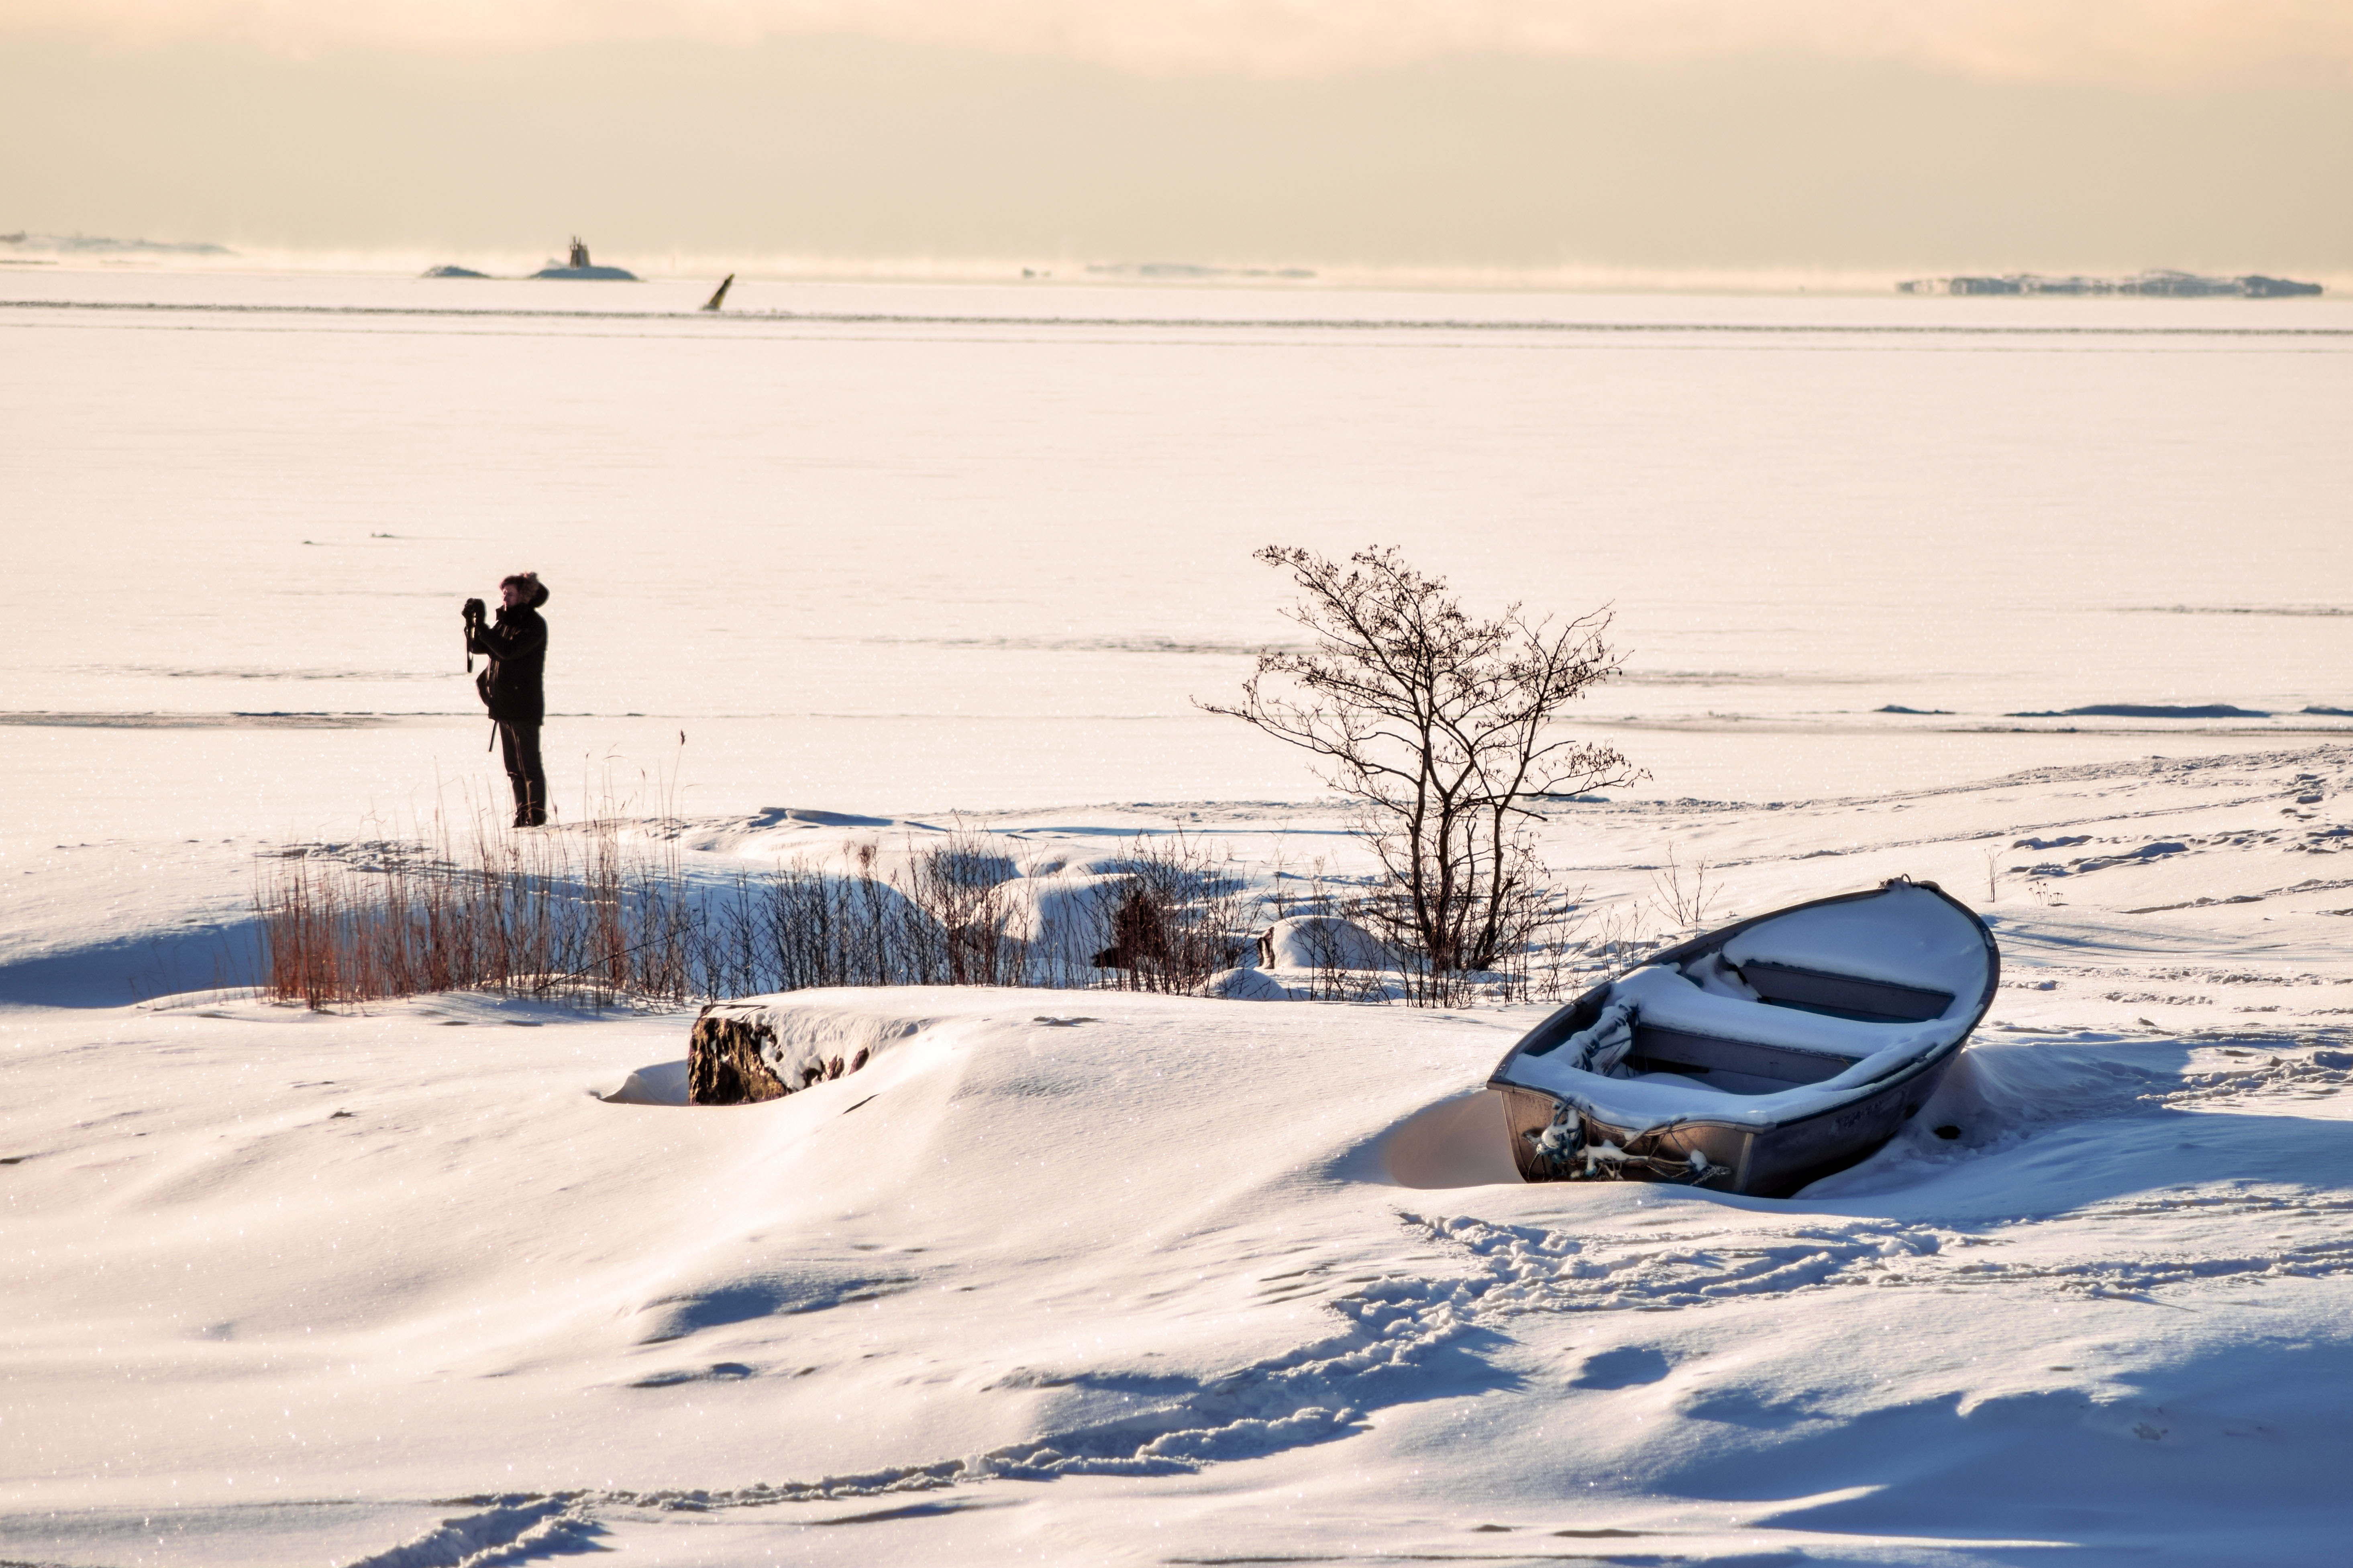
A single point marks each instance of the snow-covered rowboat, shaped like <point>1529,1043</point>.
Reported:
<point>1757,1057</point>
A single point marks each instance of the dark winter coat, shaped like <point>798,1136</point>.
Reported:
<point>513,686</point>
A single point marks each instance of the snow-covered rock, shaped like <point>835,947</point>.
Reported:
<point>1322,941</point>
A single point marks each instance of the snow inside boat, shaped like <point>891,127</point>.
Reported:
<point>1759,1057</point>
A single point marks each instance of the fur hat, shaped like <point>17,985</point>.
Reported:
<point>534,592</point>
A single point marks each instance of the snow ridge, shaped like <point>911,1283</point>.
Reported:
<point>516,1528</point>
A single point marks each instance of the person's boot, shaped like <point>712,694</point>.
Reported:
<point>532,813</point>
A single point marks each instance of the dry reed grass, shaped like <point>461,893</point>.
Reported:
<point>578,912</point>
<point>601,913</point>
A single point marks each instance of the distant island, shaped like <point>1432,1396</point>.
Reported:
<point>580,266</point>
<point>100,245</point>
<point>2162,283</point>
<point>1158,270</point>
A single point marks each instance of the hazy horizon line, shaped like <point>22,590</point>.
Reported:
<point>660,264</point>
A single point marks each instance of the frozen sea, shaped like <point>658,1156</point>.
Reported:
<point>943,547</point>
<point>1088,1278</point>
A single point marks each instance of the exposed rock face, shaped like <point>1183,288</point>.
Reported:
<point>735,1058</point>
<point>723,1062</point>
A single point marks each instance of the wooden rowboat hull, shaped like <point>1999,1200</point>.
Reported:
<point>1568,1129</point>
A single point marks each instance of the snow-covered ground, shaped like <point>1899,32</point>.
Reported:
<point>1078,1275</point>
<point>1086,1277</point>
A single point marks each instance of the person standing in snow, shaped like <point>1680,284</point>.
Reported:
<point>512,685</point>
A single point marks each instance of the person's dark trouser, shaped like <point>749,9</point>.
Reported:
<point>519,749</point>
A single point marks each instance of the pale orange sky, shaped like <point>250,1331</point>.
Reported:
<point>1838,135</point>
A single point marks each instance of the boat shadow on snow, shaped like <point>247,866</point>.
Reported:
<point>2020,1127</point>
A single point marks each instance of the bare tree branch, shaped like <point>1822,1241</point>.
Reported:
<point>1437,725</point>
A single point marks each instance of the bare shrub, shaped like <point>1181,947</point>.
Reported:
<point>731,957</point>
<point>1575,945</point>
<point>1322,908</point>
<point>960,883</point>
<point>1588,945</point>
<point>817,925</point>
<point>809,934</point>
<point>1180,915</point>
<point>1438,727</point>
<point>1525,920</point>
<point>1683,893</point>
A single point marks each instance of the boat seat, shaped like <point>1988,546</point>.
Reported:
<point>1843,995</point>
<point>1744,1046</point>
<point>1729,1063</point>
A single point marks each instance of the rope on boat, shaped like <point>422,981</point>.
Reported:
<point>1567,1156</point>
<point>1601,1049</point>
